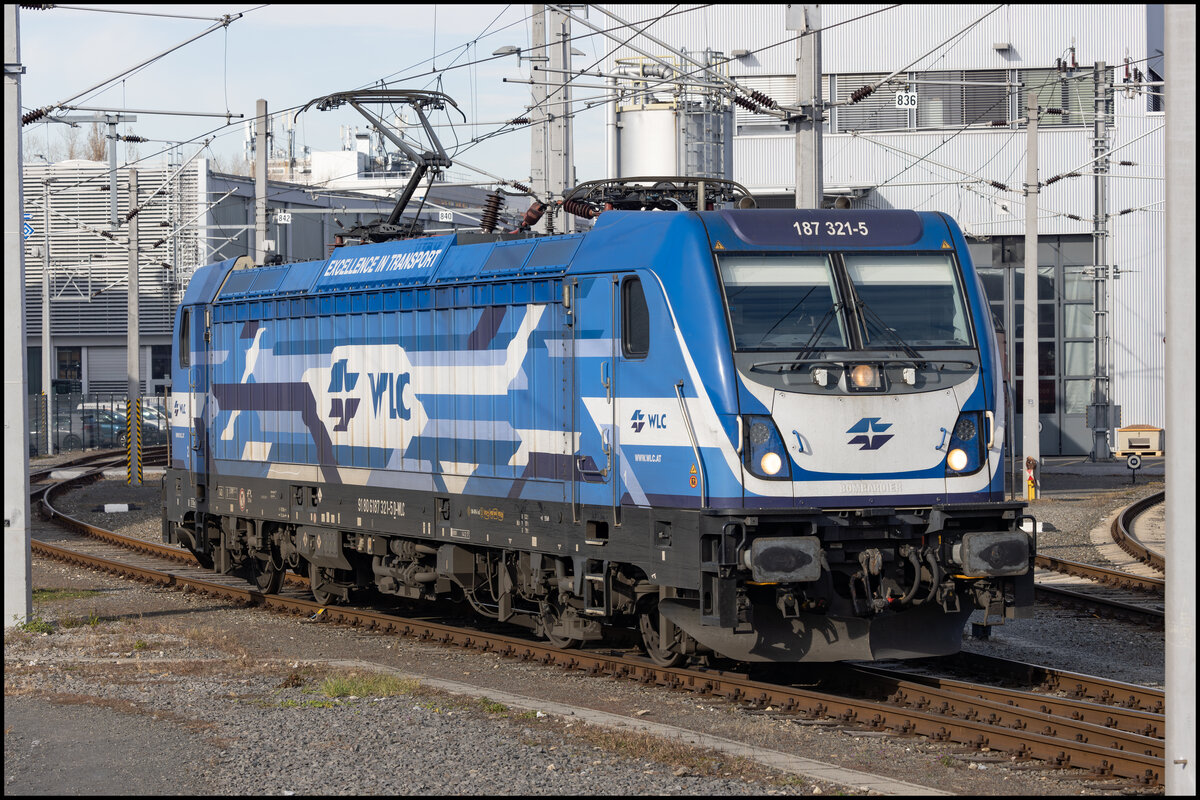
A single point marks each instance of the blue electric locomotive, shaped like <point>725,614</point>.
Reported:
<point>771,435</point>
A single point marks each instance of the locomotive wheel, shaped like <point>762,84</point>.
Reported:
<point>320,580</point>
<point>268,570</point>
<point>552,614</point>
<point>659,651</point>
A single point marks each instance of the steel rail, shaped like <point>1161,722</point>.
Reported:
<point>1122,532</point>
<point>1103,606</point>
<point>1069,684</point>
<point>1111,577</point>
<point>1095,720</point>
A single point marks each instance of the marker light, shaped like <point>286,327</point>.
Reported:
<point>865,376</point>
<point>771,463</point>
<point>956,460</point>
<point>820,376</point>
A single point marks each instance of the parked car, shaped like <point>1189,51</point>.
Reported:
<point>107,424</point>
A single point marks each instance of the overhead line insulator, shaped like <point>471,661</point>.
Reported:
<point>861,93</point>
<point>34,116</point>
<point>763,100</point>
<point>746,103</point>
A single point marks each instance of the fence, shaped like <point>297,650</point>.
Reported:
<point>69,422</point>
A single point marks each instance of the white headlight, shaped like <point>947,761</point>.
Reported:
<point>956,459</point>
<point>771,463</point>
<point>865,376</point>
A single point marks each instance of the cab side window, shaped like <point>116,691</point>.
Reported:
<point>635,319</point>
<point>185,338</point>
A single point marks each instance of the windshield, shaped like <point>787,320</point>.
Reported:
<point>782,302</point>
<point>913,298</point>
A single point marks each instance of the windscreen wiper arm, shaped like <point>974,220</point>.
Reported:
<point>905,346</point>
<point>816,336</point>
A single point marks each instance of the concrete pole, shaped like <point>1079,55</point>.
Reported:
<point>261,146</point>
<point>1031,444</point>
<point>561,172</point>
<point>810,183</point>
<point>1180,291</point>
<point>47,341</point>
<point>18,563</point>
<point>538,168</point>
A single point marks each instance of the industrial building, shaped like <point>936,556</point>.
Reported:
<point>953,141</point>
<point>77,252</point>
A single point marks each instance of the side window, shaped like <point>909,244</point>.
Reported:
<point>635,319</point>
<point>185,338</point>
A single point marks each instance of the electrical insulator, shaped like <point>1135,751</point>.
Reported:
<point>520,187</point>
<point>491,212</point>
<point>580,209</point>
<point>33,116</point>
<point>1057,111</point>
<point>1052,180</point>
<point>998,185</point>
<point>533,215</point>
<point>745,103</point>
<point>862,92</point>
<point>999,123</point>
<point>134,139</point>
<point>763,100</point>
<point>520,121</point>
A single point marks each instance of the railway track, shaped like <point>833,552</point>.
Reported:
<point>1110,593</point>
<point>1054,720</point>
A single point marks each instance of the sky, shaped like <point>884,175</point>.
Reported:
<point>289,55</point>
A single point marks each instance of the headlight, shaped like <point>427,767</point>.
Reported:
<point>865,376</point>
<point>964,454</point>
<point>766,456</point>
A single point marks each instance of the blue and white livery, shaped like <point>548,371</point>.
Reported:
<point>768,434</point>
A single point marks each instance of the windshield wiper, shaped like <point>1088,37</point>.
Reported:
<point>816,336</point>
<point>905,346</point>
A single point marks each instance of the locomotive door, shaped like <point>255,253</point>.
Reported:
<point>196,335</point>
<point>595,361</point>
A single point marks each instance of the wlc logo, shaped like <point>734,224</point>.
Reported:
<point>641,420</point>
<point>387,390</point>
<point>865,427</point>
